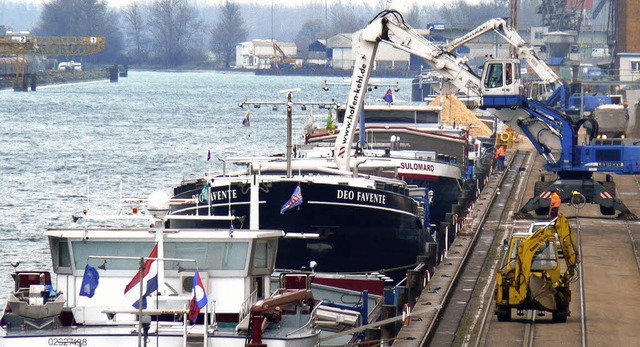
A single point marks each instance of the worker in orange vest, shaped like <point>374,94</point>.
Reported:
<point>555,204</point>
<point>501,152</point>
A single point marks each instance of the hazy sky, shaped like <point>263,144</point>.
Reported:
<point>395,4</point>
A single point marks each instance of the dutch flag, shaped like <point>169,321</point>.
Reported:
<point>149,281</point>
<point>295,200</point>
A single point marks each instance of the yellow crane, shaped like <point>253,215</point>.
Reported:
<point>51,46</point>
<point>20,45</point>
<point>279,57</point>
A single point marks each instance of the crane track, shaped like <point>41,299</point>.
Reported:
<point>533,328</point>
<point>634,245</point>
<point>470,320</point>
<point>487,312</point>
<point>451,329</point>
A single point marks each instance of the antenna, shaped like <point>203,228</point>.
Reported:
<point>287,91</point>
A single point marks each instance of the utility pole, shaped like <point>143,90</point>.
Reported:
<point>513,14</point>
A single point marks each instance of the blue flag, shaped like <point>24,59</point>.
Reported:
<point>294,200</point>
<point>199,300</point>
<point>89,281</point>
<point>388,96</point>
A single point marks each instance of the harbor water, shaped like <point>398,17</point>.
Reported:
<point>68,147</point>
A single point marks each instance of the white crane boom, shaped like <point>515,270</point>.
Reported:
<point>500,26</point>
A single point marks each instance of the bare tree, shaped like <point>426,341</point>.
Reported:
<point>229,31</point>
<point>311,30</point>
<point>414,16</point>
<point>382,5</point>
<point>82,18</point>
<point>136,29</point>
<point>175,28</point>
<point>460,14</point>
<point>347,19</point>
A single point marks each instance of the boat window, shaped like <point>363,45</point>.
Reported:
<point>64,255</point>
<point>61,255</point>
<point>209,256</point>
<point>83,249</point>
<point>427,117</point>
<point>264,254</point>
<point>260,255</point>
<point>396,116</point>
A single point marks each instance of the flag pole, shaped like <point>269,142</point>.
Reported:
<point>209,181</point>
<point>184,324</point>
<point>206,324</point>
<point>140,273</point>
<point>209,160</point>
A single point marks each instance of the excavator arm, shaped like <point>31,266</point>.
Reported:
<point>553,134</point>
<point>527,284</point>
<point>389,27</point>
<point>523,51</point>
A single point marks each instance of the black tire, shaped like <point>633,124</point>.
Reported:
<point>503,314</point>
<point>559,318</point>
<point>562,311</point>
<point>542,211</point>
<point>607,211</point>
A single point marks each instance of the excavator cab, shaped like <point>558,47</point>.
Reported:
<point>501,77</point>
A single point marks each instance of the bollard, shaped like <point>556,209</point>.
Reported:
<point>113,73</point>
<point>406,315</point>
<point>33,81</point>
<point>427,280</point>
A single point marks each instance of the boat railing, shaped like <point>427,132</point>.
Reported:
<point>247,304</point>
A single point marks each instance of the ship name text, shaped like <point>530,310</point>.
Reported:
<point>417,166</point>
<point>375,198</point>
<point>217,195</point>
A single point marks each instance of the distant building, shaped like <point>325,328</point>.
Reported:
<point>629,66</point>
<point>265,54</point>
<point>339,51</point>
<point>317,53</point>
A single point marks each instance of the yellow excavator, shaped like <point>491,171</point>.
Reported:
<point>532,277</point>
<point>280,60</point>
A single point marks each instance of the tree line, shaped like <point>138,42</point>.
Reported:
<point>174,33</point>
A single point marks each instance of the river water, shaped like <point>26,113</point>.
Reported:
<point>66,147</point>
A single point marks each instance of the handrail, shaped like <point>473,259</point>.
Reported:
<point>245,308</point>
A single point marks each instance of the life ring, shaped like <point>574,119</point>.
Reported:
<point>578,200</point>
<point>332,131</point>
<point>504,137</point>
